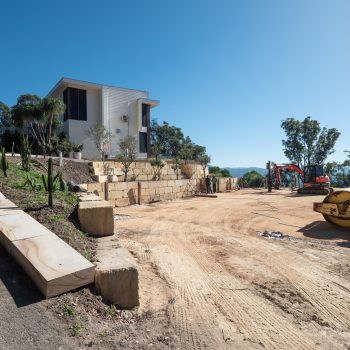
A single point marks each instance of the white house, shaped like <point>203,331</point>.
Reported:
<point>122,111</point>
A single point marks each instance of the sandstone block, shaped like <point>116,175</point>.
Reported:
<point>99,178</point>
<point>96,218</point>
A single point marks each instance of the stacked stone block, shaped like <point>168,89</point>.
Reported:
<point>122,194</point>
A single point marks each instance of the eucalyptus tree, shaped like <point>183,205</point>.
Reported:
<point>306,142</point>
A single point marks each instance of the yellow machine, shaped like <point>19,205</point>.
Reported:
<point>335,208</point>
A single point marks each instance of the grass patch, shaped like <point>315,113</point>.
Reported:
<point>111,311</point>
<point>68,310</point>
<point>76,329</point>
<point>87,254</point>
<point>56,217</point>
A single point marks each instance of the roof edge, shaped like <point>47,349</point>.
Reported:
<point>87,83</point>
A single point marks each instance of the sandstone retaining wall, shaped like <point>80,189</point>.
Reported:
<point>139,192</point>
<point>143,171</point>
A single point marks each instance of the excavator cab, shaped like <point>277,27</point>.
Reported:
<point>315,181</point>
<point>312,172</point>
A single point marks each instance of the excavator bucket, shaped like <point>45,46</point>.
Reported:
<point>335,208</point>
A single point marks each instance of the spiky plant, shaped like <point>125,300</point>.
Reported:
<point>50,182</point>
<point>26,153</point>
<point>4,162</point>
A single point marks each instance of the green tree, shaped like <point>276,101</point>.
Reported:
<point>127,154</point>
<point>167,140</point>
<point>204,160</point>
<point>5,116</point>
<point>225,173</point>
<point>217,170</point>
<point>306,143</point>
<point>214,170</point>
<point>101,138</point>
<point>52,108</point>
<point>187,150</point>
<point>253,179</point>
<point>39,115</point>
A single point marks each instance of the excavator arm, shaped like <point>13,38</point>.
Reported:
<point>277,168</point>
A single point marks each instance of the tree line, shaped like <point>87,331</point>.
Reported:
<point>168,141</point>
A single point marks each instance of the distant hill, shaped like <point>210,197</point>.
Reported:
<point>239,172</point>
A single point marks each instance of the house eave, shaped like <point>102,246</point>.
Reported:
<point>69,81</point>
<point>152,103</point>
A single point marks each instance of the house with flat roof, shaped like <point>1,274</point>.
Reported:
<point>123,112</point>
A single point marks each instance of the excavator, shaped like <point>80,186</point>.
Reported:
<point>313,177</point>
<point>335,207</point>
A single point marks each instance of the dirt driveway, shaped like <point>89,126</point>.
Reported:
<point>225,287</point>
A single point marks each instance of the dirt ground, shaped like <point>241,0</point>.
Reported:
<point>222,286</point>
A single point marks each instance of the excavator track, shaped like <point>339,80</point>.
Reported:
<point>335,208</point>
<point>318,191</point>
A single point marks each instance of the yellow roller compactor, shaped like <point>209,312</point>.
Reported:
<point>336,208</point>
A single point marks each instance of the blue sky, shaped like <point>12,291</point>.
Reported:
<point>227,72</point>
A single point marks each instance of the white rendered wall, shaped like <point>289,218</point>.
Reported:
<point>119,102</point>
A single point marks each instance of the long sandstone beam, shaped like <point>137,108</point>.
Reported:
<point>53,265</point>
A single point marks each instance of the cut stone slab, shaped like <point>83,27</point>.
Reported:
<point>116,275</point>
<point>6,204</point>
<point>21,226</point>
<point>96,218</point>
<point>54,266</point>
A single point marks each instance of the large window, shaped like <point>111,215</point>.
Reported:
<point>75,101</point>
<point>143,142</point>
<point>145,114</point>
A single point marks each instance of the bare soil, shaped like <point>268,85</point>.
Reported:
<point>223,286</point>
<point>208,280</point>
<point>75,320</point>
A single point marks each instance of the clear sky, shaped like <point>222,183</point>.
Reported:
<point>225,71</point>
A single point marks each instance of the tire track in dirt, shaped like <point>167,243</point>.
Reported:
<point>217,308</point>
<point>254,312</point>
<point>311,283</point>
<point>261,312</point>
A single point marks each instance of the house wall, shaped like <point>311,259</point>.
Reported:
<point>105,105</point>
<point>76,129</point>
<point>119,102</point>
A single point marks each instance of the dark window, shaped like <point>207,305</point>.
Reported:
<point>75,101</point>
<point>145,114</point>
<point>143,142</point>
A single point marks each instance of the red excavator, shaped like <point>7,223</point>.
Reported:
<point>313,177</point>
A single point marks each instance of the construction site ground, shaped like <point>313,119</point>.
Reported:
<point>221,285</point>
